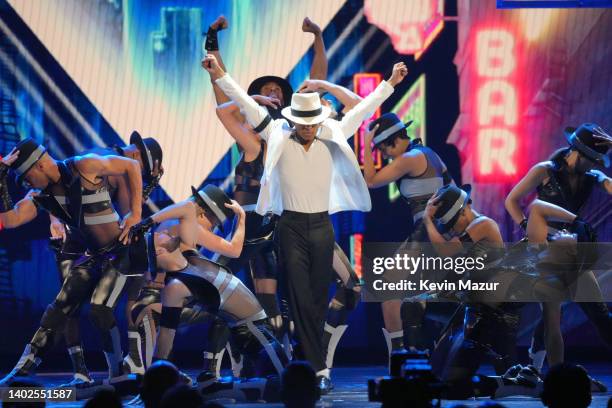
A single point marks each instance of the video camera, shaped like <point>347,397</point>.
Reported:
<point>411,384</point>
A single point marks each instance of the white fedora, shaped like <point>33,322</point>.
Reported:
<point>306,109</point>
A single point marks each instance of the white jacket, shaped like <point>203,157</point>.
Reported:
<point>348,188</point>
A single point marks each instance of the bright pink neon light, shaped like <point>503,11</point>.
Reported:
<point>357,259</point>
<point>496,106</point>
<point>364,84</point>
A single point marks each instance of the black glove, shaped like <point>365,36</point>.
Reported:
<point>153,182</point>
<point>141,228</point>
<point>6,203</point>
<point>583,230</point>
<point>212,42</point>
<point>4,169</point>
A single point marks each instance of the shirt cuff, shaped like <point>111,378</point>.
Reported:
<point>386,87</point>
<point>223,79</point>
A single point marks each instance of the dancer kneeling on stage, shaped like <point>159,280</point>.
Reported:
<point>207,282</point>
<point>489,329</point>
<point>490,324</point>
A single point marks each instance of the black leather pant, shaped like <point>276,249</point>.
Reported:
<point>488,334</point>
<point>96,279</point>
<point>258,251</point>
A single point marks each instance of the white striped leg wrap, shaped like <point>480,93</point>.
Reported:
<point>336,333</point>
<point>149,340</point>
<point>267,346</point>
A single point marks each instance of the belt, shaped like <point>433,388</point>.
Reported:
<point>295,215</point>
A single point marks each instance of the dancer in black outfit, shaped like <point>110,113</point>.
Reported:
<point>76,191</point>
<point>489,328</point>
<point>566,180</point>
<point>419,173</point>
<point>68,248</point>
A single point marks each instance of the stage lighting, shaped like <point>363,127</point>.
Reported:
<point>496,106</point>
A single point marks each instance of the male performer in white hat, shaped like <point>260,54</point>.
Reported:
<point>310,172</point>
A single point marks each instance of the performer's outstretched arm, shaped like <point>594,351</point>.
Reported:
<point>346,97</point>
<point>256,115</point>
<point>318,69</point>
<point>353,119</point>
<point>212,47</point>
<point>25,210</point>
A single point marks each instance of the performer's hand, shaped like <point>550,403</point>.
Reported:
<point>153,284</point>
<point>158,170</point>
<point>32,193</point>
<point>57,229</point>
<point>601,176</point>
<point>399,73</point>
<point>126,225</point>
<point>308,26</point>
<point>370,135</point>
<point>310,85</point>
<point>236,208</point>
<point>9,158</point>
<point>220,23</point>
<point>432,206</point>
<point>140,228</point>
<point>210,64</point>
<point>267,101</point>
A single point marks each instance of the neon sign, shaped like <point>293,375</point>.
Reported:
<point>411,25</point>
<point>356,242</point>
<point>364,84</point>
<point>496,106</point>
<point>411,107</point>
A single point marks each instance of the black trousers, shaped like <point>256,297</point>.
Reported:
<point>488,334</point>
<point>258,251</point>
<point>305,245</point>
<point>97,279</point>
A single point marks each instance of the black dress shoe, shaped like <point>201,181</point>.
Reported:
<point>325,384</point>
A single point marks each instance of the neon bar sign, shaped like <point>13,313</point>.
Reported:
<point>496,106</point>
<point>364,84</point>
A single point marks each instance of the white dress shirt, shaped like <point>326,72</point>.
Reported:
<point>348,190</point>
<point>305,176</point>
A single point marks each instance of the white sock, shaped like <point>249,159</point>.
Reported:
<point>325,373</point>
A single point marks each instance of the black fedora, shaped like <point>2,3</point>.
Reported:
<point>592,141</point>
<point>388,125</point>
<point>286,88</point>
<point>150,151</point>
<point>30,153</point>
<point>212,199</point>
<point>452,200</point>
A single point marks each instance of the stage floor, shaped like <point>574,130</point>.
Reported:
<point>351,390</point>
